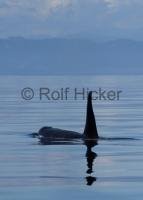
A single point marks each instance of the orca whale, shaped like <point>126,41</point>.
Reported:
<point>48,134</point>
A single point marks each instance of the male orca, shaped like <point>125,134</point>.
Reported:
<point>48,134</point>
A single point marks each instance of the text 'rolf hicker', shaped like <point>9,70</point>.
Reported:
<point>67,93</point>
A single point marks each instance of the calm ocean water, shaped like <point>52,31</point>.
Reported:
<point>29,170</point>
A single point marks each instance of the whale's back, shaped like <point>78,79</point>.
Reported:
<point>53,133</point>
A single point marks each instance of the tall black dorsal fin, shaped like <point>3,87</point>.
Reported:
<point>90,130</point>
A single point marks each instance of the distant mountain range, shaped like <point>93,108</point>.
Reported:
<point>21,56</point>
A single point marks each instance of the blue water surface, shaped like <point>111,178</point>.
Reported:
<point>29,170</point>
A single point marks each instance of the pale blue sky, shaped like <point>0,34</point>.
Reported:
<point>93,19</point>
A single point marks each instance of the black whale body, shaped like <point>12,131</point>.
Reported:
<point>90,131</point>
<point>50,135</point>
<point>57,133</point>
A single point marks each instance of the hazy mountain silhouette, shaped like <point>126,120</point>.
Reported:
<point>69,56</point>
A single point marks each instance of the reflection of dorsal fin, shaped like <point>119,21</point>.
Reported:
<point>90,130</point>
